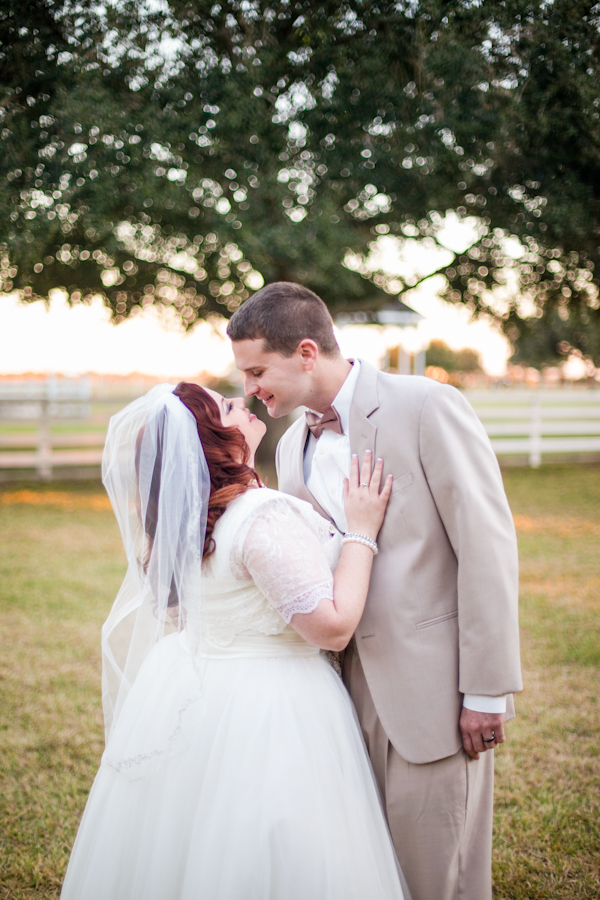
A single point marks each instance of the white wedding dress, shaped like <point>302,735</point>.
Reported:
<point>259,785</point>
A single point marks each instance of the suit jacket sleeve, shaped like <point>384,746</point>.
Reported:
<point>466,484</point>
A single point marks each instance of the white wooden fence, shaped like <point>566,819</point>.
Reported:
<point>520,423</point>
<point>44,402</point>
<point>539,422</point>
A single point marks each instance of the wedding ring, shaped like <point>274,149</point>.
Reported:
<point>363,484</point>
<point>489,740</point>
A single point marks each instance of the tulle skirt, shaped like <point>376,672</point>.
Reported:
<point>258,787</point>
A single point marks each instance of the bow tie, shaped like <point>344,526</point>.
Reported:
<point>330,419</point>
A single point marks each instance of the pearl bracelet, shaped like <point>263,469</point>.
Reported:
<point>352,537</point>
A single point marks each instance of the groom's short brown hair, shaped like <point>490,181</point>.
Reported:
<point>283,314</point>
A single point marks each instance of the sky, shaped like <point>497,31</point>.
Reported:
<point>75,340</point>
<point>57,338</point>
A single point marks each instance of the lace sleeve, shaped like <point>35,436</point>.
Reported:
<point>285,559</point>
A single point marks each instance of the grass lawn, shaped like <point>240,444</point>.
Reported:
<point>547,835</point>
<point>61,565</point>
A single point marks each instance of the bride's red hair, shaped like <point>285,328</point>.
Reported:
<point>226,452</point>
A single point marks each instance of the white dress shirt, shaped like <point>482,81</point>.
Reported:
<point>326,464</point>
<point>327,460</point>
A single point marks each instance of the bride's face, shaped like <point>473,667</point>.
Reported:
<point>235,414</point>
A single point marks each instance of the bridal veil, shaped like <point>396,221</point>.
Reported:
<point>156,476</point>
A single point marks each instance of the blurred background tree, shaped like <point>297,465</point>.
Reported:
<point>181,154</point>
<point>439,354</point>
<point>560,332</point>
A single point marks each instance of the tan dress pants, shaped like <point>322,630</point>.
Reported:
<point>439,813</point>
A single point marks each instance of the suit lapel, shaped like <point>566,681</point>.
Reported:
<point>363,432</point>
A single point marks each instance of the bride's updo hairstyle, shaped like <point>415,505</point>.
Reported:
<point>226,452</point>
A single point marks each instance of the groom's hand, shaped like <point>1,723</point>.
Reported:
<point>475,726</point>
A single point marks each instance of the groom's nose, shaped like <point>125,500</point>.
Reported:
<point>250,386</point>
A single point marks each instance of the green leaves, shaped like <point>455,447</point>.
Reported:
<point>290,133</point>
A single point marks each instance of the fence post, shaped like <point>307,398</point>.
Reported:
<point>44,461</point>
<point>535,433</point>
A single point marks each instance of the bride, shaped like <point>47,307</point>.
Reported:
<point>234,767</point>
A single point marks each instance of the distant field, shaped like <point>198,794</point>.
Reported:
<point>61,565</point>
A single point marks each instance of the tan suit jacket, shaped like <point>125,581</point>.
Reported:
<point>441,617</point>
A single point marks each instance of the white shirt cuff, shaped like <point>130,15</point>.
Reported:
<point>484,704</point>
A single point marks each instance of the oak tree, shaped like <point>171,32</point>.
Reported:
<point>181,154</point>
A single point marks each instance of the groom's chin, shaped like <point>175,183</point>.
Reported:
<point>277,409</point>
<point>272,409</point>
<point>277,413</point>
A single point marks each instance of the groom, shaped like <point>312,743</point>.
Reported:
<point>435,658</point>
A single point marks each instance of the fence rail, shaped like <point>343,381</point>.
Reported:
<point>45,401</point>
<point>520,423</point>
<point>46,462</point>
<point>74,439</point>
<point>534,423</point>
<point>45,452</point>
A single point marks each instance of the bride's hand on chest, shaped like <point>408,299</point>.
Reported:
<point>365,499</point>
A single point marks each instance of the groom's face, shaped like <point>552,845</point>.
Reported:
<point>279,381</point>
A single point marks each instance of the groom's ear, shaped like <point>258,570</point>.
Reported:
<point>309,353</point>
